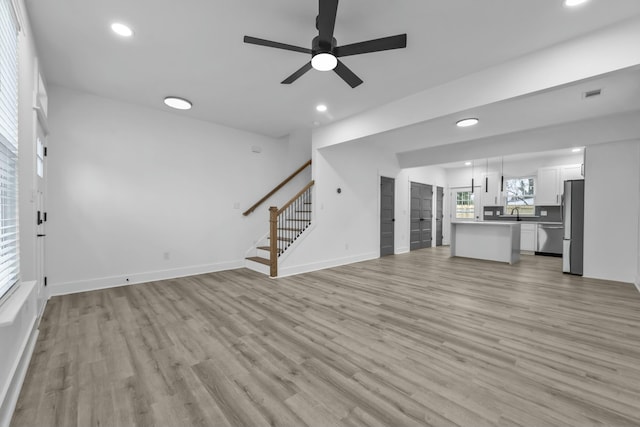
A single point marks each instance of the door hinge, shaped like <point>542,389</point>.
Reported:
<point>44,216</point>
<point>45,280</point>
<point>39,220</point>
<point>45,151</point>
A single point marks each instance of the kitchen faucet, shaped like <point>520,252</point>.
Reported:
<point>517,213</point>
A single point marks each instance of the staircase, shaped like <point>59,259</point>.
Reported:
<point>286,226</point>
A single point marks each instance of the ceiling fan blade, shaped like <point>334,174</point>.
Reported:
<point>347,75</point>
<point>377,45</point>
<point>269,43</point>
<point>295,76</point>
<point>328,9</point>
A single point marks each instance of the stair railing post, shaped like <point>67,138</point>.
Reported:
<point>273,241</point>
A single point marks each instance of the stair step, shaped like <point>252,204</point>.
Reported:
<point>307,203</point>
<point>299,220</point>
<point>282,239</point>
<point>303,211</point>
<point>268,249</point>
<point>259,260</point>
<point>290,229</point>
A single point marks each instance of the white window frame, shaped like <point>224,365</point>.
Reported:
<point>507,210</point>
<point>9,238</point>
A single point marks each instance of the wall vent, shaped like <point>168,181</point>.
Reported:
<point>592,93</point>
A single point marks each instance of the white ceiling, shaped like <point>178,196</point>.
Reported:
<point>194,49</point>
<point>620,93</point>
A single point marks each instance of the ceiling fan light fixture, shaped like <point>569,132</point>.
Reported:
<point>324,62</point>
<point>177,103</point>
<point>321,108</point>
<point>467,122</point>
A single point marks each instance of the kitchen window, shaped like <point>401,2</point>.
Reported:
<point>465,207</point>
<point>520,196</point>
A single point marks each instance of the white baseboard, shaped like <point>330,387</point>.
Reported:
<point>402,250</point>
<point>8,405</point>
<point>321,265</point>
<point>137,278</point>
<point>637,283</point>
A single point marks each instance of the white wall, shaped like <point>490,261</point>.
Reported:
<point>611,211</point>
<point>17,338</point>
<point>299,150</point>
<point>129,185</point>
<point>346,226</point>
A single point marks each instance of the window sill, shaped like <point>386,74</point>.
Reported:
<point>10,309</point>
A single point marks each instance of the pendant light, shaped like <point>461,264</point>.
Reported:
<point>473,188</point>
<point>502,177</point>
<point>486,178</point>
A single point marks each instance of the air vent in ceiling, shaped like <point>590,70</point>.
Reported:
<point>592,93</point>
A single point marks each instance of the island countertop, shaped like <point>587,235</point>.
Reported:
<point>489,240</point>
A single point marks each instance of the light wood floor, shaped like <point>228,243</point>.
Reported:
<point>415,339</point>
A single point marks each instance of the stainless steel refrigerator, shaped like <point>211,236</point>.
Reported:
<point>573,217</point>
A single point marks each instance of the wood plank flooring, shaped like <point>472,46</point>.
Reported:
<point>406,340</point>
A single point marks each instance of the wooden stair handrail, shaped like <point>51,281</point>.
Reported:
<point>274,213</point>
<point>294,198</point>
<point>276,188</point>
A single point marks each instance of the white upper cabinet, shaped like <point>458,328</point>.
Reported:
<point>550,183</point>
<point>570,172</point>
<point>491,189</point>
<point>548,187</point>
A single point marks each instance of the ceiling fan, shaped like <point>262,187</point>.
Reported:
<point>324,50</point>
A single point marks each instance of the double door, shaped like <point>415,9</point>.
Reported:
<point>421,221</point>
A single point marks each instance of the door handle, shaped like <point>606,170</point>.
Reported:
<point>40,235</point>
<point>421,219</point>
<point>393,220</point>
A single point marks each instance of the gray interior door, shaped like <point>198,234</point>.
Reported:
<point>439,214</point>
<point>421,219</point>
<point>387,215</point>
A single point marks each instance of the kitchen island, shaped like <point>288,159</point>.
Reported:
<point>488,240</point>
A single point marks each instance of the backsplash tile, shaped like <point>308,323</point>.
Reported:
<point>496,213</point>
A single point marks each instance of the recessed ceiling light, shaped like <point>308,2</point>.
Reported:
<point>572,3</point>
<point>321,108</point>
<point>324,62</point>
<point>121,29</point>
<point>576,150</point>
<point>467,122</point>
<point>177,103</point>
<point>467,163</point>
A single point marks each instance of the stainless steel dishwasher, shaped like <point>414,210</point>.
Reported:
<point>550,239</point>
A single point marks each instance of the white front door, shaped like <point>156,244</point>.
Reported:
<point>41,217</point>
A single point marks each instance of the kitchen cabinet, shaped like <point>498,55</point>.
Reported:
<point>528,235</point>
<point>548,187</point>
<point>570,172</point>
<point>550,183</point>
<point>491,194</point>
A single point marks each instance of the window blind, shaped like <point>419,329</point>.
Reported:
<point>9,254</point>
